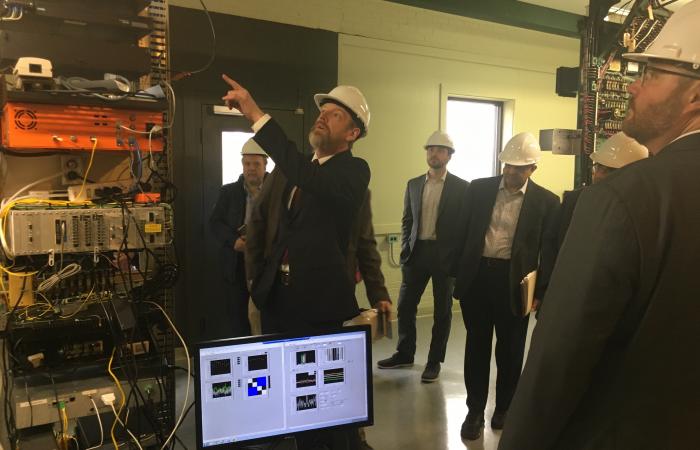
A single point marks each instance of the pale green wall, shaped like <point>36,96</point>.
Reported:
<point>403,86</point>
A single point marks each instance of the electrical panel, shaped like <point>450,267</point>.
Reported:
<point>605,106</point>
<point>87,230</point>
<point>605,75</point>
<point>612,103</point>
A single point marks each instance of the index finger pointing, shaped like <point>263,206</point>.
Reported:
<point>230,81</point>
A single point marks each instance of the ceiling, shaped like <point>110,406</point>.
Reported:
<point>561,17</point>
<point>580,6</point>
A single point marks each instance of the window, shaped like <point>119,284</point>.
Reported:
<point>231,144</point>
<point>475,127</point>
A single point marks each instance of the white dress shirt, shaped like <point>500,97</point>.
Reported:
<point>432,191</point>
<point>504,221</point>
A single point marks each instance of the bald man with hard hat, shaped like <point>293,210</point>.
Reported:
<point>614,362</point>
<point>510,232</point>
<point>615,153</point>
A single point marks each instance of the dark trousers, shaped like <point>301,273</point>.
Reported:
<point>225,313</point>
<point>423,266</point>
<point>277,318</point>
<point>236,295</point>
<point>274,321</point>
<point>487,305</point>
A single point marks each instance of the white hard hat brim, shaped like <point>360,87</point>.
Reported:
<point>519,163</point>
<point>645,57</point>
<point>320,99</point>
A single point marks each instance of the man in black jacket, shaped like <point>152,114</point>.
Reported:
<point>511,231</point>
<point>430,229</point>
<point>614,357</point>
<point>298,236</point>
<point>227,223</point>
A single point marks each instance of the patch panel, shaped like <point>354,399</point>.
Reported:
<point>87,230</point>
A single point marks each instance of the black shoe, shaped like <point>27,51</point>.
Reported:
<point>498,419</point>
<point>431,372</point>
<point>395,361</point>
<point>472,426</point>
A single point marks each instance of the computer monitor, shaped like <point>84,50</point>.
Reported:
<point>256,388</point>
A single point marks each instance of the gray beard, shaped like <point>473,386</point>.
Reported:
<point>316,140</point>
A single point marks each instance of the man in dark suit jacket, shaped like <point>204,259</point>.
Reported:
<point>511,231</point>
<point>614,357</point>
<point>430,231</point>
<point>298,236</point>
<point>297,259</point>
<point>232,209</point>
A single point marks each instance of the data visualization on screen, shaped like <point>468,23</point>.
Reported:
<point>262,387</point>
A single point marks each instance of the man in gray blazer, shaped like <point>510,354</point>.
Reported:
<point>430,229</point>
<point>614,357</point>
<point>512,231</point>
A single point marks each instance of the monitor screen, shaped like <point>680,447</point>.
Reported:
<point>265,386</point>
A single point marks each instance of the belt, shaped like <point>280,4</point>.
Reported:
<point>284,274</point>
<point>494,262</point>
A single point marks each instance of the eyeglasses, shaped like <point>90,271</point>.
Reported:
<point>648,73</point>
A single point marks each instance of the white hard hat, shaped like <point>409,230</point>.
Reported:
<point>252,148</point>
<point>521,150</point>
<point>440,139</point>
<point>352,99</point>
<point>618,151</point>
<point>678,40</point>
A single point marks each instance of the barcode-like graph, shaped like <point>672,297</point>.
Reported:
<point>306,402</point>
<point>222,389</point>
<point>334,354</point>
<point>306,379</point>
<point>220,367</point>
<point>331,376</point>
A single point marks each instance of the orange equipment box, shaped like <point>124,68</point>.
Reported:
<point>33,126</point>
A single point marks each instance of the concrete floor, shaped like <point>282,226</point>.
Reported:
<point>410,414</point>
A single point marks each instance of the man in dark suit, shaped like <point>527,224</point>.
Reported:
<point>299,231</point>
<point>511,231</point>
<point>231,212</point>
<point>613,154</point>
<point>614,357</point>
<point>298,258</point>
<point>430,230</point>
